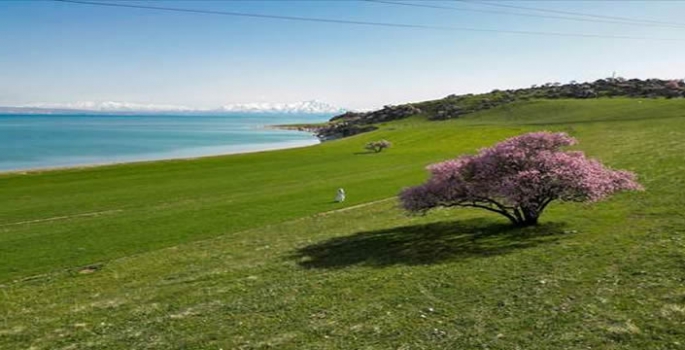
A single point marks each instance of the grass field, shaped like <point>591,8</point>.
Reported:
<point>250,252</point>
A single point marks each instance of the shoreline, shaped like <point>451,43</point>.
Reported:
<point>308,128</point>
<point>318,130</point>
<point>258,149</point>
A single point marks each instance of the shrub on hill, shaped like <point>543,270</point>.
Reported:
<point>610,87</point>
<point>378,146</point>
<point>351,123</point>
<point>518,178</point>
<point>455,106</point>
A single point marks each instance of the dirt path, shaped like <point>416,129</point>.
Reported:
<point>66,217</point>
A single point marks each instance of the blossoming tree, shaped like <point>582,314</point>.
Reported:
<point>518,178</point>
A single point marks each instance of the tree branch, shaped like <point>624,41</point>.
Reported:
<point>517,213</point>
<point>500,210</point>
<point>545,203</point>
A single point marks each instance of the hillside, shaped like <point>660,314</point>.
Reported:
<point>457,106</point>
<point>249,251</point>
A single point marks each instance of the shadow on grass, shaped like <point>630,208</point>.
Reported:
<point>425,244</point>
<point>364,153</point>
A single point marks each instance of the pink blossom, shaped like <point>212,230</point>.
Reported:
<point>518,178</point>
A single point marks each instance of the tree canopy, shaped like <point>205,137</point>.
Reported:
<point>518,178</point>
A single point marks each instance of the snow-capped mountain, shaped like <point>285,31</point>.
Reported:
<point>312,106</point>
<point>305,107</point>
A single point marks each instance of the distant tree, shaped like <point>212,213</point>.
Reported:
<point>378,146</point>
<point>518,178</point>
<point>673,84</point>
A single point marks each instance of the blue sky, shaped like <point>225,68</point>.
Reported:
<point>53,52</point>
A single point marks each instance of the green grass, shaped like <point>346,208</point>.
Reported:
<point>248,251</point>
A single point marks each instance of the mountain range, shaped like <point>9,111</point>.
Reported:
<point>112,107</point>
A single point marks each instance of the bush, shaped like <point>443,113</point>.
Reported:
<point>378,146</point>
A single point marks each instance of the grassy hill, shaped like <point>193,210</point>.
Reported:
<point>458,106</point>
<point>250,252</point>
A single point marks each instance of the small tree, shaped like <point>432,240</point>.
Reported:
<point>518,178</point>
<point>378,146</point>
<point>673,84</point>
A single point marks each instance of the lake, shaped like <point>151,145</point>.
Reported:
<point>46,141</point>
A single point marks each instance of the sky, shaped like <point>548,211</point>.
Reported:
<point>55,52</point>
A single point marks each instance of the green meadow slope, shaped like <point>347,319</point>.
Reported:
<point>249,251</point>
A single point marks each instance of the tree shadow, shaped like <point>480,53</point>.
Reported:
<point>425,244</point>
<point>364,153</point>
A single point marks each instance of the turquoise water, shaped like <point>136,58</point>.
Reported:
<point>45,141</point>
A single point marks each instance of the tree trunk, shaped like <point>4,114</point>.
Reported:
<point>531,221</point>
<point>530,218</point>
